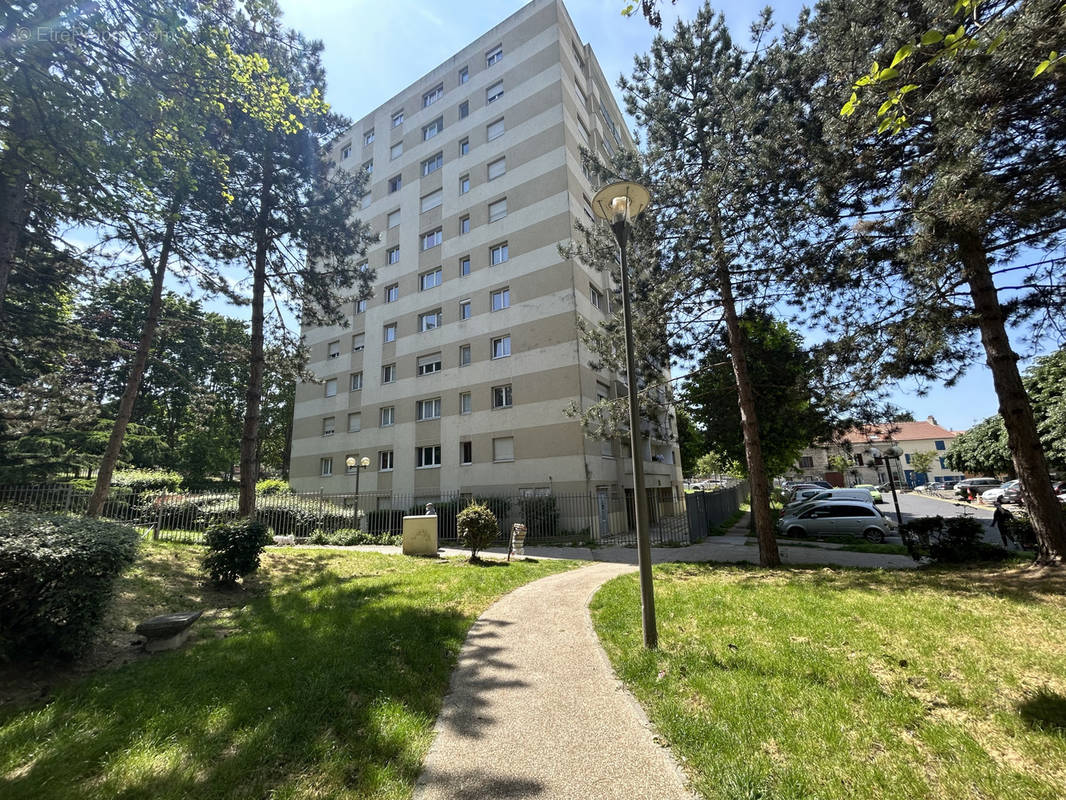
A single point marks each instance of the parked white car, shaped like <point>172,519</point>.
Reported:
<point>990,496</point>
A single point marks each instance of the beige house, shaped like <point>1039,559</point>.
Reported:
<point>912,437</point>
<point>455,375</point>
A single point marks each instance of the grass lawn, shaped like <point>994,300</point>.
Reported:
<point>322,679</point>
<point>852,684</point>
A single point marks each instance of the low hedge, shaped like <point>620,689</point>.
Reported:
<point>233,550</point>
<point>56,578</point>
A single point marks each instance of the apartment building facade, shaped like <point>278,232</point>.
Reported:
<point>454,377</point>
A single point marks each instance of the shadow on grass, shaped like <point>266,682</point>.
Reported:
<point>332,687</point>
<point>1044,711</point>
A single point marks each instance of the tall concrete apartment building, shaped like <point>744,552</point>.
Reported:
<point>454,376</point>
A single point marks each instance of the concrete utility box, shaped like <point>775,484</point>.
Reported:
<point>420,535</point>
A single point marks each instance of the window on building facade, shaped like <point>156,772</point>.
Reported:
<point>464,265</point>
<point>392,293</point>
<point>328,425</point>
<point>585,135</point>
<point>501,299</point>
<point>432,239</point>
<point>464,355</point>
<point>397,118</point>
<point>325,466</point>
<point>464,403</point>
<point>806,462</point>
<point>503,449</point>
<point>433,95</point>
<point>393,219</point>
<point>432,129</point>
<point>358,342</point>
<point>396,150</point>
<point>464,309</point>
<point>369,166</point>
<point>582,98</point>
<point>432,164</point>
<point>385,460</point>
<point>392,255</point>
<point>388,416</point>
<point>368,137</point>
<point>494,130</point>
<point>501,347</point>
<point>360,306</point>
<point>497,168</point>
<point>586,205</point>
<point>429,321</point>
<point>494,56</point>
<point>355,382</point>
<point>596,297</point>
<point>427,409</point>
<point>464,225</point>
<point>498,210</point>
<point>939,444</point>
<point>389,332</point>
<point>432,200</point>
<point>464,147</point>
<point>346,151</point>
<point>464,75</point>
<point>466,452</point>
<point>427,280</point>
<point>494,92</point>
<point>333,349</point>
<point>331,387</point>
<point>427,456</point>
<point>498,254</point>
<point>501,396</point>
<point>395,182</point>
<point>388,373</point>
<point>429,364</point>
<point>354,422</point>
<point>464,110</point>
<point>464,184</point>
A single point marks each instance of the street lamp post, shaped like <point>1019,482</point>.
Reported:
<point>889,453</point>
<point>618,204</point>
<point>358,465</point>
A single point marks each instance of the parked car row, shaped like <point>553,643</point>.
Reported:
<point>835,517</point>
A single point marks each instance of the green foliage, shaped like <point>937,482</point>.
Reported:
<point>56,578</point>
<point>147,480</point>
<point>689,441</point>
<point>540,515</point>
<point>839,463</point>
<point>782,375</point>
<point>921,462</point>
<point>982,450</point>
<point>951,540</point>
<point>350,537</point>
<point>477,527</point>
<point>233,550</point>
<point>272,486</point>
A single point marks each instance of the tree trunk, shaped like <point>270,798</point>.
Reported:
<point>1030,465</point>
<point>254,395</point>
<point>133,382</point>
<point>749,420</point>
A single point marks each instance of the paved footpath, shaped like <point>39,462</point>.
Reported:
<point>535,711</point>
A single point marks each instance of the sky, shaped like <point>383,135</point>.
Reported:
<point>374,49</point>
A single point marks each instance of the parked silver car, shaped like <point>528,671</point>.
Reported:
<point>862,495</point>
<point>836,518</point>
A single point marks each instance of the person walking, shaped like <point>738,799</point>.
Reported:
<point>1000,518</point>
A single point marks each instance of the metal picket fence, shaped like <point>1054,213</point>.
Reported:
<point>601,518</point>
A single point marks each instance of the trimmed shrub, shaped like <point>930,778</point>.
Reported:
<point>477,527</point>
<point>147,480</point>
<point>271,486</point>
<point>233,550</point>
<point>540,515</point>
<point>349,537</point>
<point>954,540</point>
<point>57,574</point>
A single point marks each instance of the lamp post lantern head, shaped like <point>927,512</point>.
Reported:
<point>364,462</point>
<point>620,202</point>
